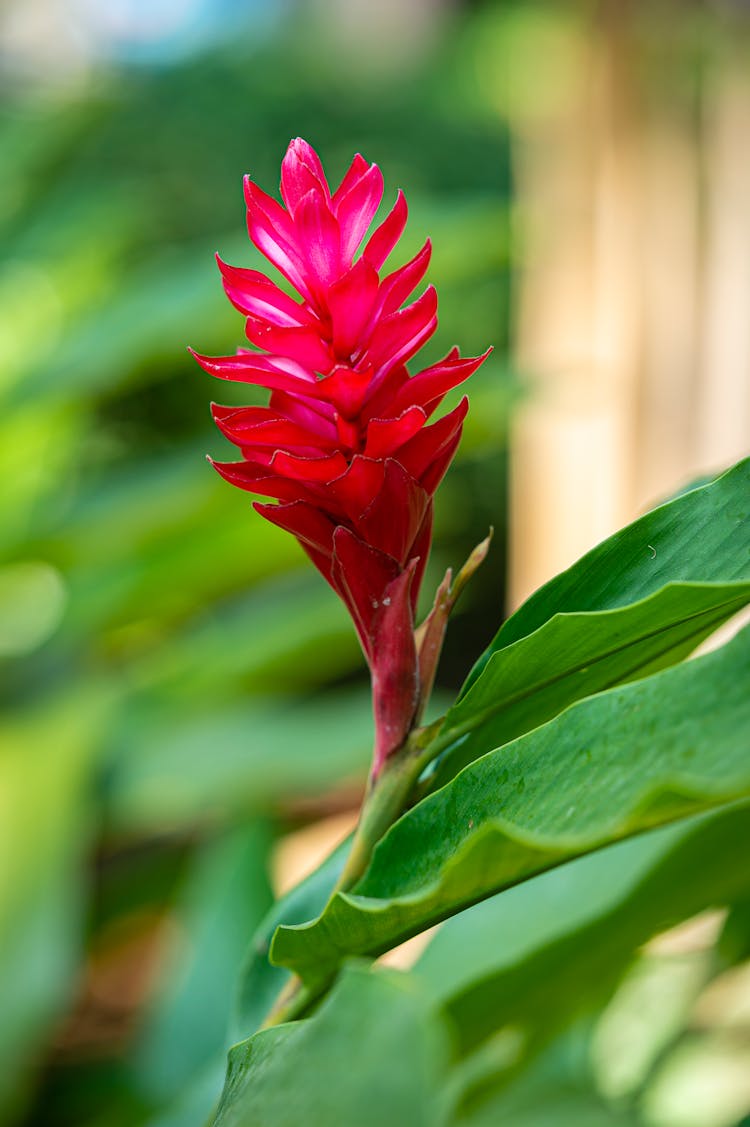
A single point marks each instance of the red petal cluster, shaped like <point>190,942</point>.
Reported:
<point>343,447</point>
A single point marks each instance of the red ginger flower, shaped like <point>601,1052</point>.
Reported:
<point>343,447</point>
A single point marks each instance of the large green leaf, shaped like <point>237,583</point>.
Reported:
<point>612,765</point>
<point>543,952</point>
<point>700,536</point>
<point>531,959</point>
<point>570,656</point>
<point>375,1053</point>
<point>638,602</point>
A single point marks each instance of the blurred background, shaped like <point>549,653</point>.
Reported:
<point>185,718</point>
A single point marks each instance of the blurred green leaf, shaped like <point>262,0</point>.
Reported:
<point>219,764</point>
<point>734,941</point>
<point>647,1016</point>
<point>292,621</point>
<point>224,895</point>
<point>46,821</point>
<point>260,981</point>
<point>304,1072</point>
<point>548,1097</point>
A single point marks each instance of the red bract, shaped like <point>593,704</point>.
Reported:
<point>343,448</point>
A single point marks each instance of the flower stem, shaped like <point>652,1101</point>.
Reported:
<point>386,798</point>
<point>384,801</point>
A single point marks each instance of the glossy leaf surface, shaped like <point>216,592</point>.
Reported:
<point>699,536</point>
<point>548,950</point>
<point>575,655</point>
<point>630,606</point>
<point>611,766</point>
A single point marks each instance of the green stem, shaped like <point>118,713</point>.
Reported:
<point>386,798</point>
<point>291,1003</point>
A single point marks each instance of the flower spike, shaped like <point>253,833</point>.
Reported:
<point>342,449</point>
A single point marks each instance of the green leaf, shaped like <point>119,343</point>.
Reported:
<point>544,952</point>
<point>638,602</point>
<point>184,1031</point>
<point>734,941</point>
<point>553,1094</point>
<point>374,1053</point>
<point>46,820</point>
<point>571,656</point>
<point>612,765</point>
<point>260,981</point>
<point>701,536</point>
<point>261,752</point>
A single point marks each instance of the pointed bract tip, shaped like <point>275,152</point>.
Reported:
<point>476,558</point>
<point>201,359</point>
<point>455,354</point>
<point>479,554</point>
<point>401,207</point>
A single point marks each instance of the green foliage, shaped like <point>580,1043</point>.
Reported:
<point>626,609</point>
<point>590,776</point>
<point>302,1072</point>
<point>176,687</point>
<point>699,537</point>
<point>556,946</point>
<point>46,820</point>
<point>222,899</point>
<point>582,730</point>
<point>500,984</point>
<point>261,981</point>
